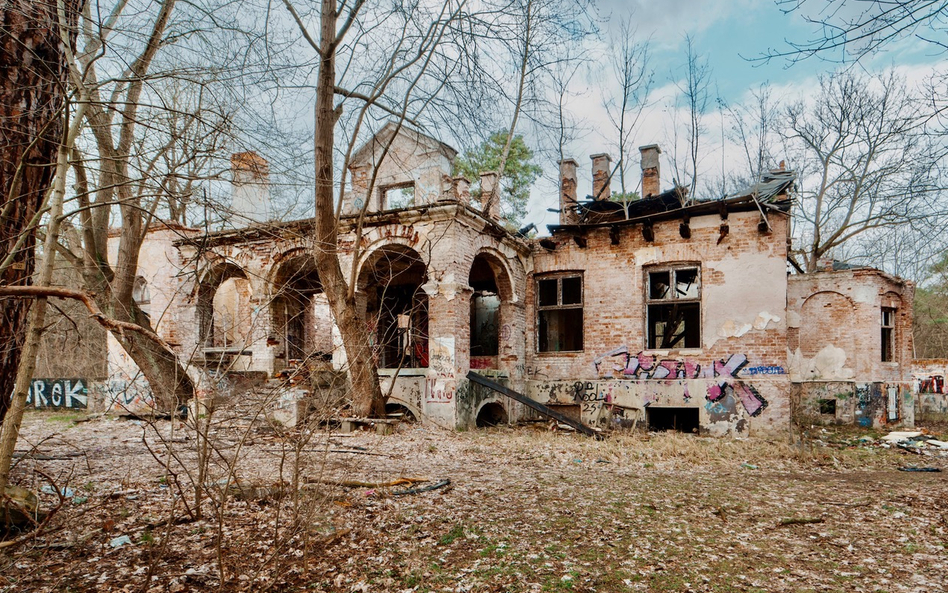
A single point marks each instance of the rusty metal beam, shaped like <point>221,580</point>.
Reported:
<point>544,410</point>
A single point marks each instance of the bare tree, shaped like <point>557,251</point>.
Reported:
<point>754,129</point>
<point>629,64</point>
<point>848,30</point>
<point>865,161</point>
<point>694,96</point>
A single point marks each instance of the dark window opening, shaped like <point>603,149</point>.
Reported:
<point>672,419</point>
<point>492,414</point>
<point>560,314</point>
<point>303,334</point>
<point>827,407</point>
<point>673,308</point>
<point>888,334</point>
<point>403,327</point>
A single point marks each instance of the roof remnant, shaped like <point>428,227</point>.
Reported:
<point>772,189</point>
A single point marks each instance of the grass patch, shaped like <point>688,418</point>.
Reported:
<point>456,532</point>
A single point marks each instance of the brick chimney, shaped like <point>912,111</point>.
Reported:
<point>568,213</point>
<point>462,189</point>
<point>490,197</point>
<point>651,182</point>
<point>600,174</point>
<point>250,201</point>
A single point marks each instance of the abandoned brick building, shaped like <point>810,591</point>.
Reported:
<point>668,312</point>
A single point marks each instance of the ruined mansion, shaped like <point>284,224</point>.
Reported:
<point>667,312</point>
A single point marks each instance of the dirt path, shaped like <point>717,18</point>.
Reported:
<point>526,510</point>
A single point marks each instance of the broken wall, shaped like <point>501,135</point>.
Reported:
<point>850,347</point>
<point>931,394</point>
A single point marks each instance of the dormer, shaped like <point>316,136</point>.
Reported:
<point>413,169</point>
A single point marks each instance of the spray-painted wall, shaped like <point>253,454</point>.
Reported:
<point>736,377</point>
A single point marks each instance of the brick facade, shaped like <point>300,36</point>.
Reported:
<point>689,318</point>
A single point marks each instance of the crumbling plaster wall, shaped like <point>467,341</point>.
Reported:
<point>835,341</point>
<point>736,379</point>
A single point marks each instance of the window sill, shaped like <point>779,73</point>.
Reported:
<point>413,372</point>
<point>561,353</point>
<point>681,352</point>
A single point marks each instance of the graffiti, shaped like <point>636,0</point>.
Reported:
<point>58,393</point>
<point>505,332</point>
<point>482,362</point>
<point>441,361</point>
<point>753,401</point>
<point>437,391</point>
<point>530,371</point>
<point>134,394</point>
<point>644,366</point>
<point>765,370</point>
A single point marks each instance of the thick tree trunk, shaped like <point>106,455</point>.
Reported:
<point>366,394</point>
<point>170,384</point>
<point>32,90</point>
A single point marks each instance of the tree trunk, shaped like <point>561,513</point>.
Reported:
<point>169,382</point>
<point>33,78</point>
<point>366,394</point>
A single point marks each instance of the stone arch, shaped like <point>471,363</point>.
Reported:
<point>395,404</point>
<point>827,318</point>
<point>381,237</point>
<point>492,285</point>
<point>491,413</point>
<point>223,305</point>
<point>301,324</point>
<point>390,284</point>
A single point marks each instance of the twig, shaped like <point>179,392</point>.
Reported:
<point>800,521</point>
<point>435,486</point>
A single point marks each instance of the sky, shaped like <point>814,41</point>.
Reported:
<point>729,34</point>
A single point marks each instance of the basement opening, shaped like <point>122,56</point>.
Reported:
<point>492,414</point>
<point>399,412</point>
<point>673,419</point>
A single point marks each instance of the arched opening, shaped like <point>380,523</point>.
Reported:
<point>395,410</point>
<point>398,307</point>
<point>141,295</point>
<point>224,311</point>
<point>490,291</point>
<point>302,322</point>
<point>491,414</point>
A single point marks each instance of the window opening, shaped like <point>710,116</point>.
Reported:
<point>398,196</point>
<point>560,313</point>
<point>888,334</point>
<point>827,407</point>
<point>673,307</point>
<point>485,309</point>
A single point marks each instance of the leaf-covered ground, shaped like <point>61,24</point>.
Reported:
<point>526,510</point>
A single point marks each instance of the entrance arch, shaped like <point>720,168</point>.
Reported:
<point>396,306</point>
<point>300,312</point>
<point>492,288</point>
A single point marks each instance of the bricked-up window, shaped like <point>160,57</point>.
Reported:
<point>560,313</point>
<point>888,334</point>
<point>673,307</point>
